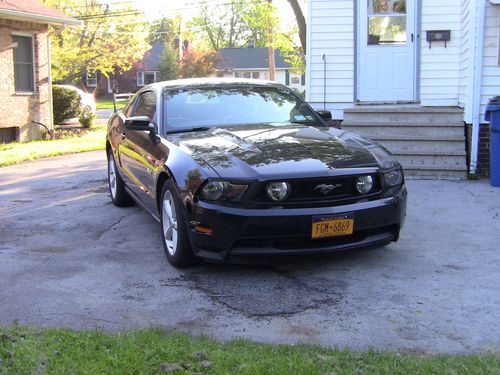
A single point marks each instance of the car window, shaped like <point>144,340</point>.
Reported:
<point>209,106</point>
<point>146,105</point>
<point>130,106</point>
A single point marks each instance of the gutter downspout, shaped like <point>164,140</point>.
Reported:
<point>477,83</point>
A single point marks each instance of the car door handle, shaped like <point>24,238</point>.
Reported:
<point>123,136</point>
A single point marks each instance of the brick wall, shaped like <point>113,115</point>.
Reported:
<point>483,157</point>
<point>19,109</point>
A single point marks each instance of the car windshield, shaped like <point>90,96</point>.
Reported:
<point>213,106</point>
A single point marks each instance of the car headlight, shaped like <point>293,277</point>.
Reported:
<point>220,190</point>
<point>394,177</point>
<point>278,191</point>
<point>364,184</point>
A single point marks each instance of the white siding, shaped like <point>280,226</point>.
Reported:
<point>440,66</point>
<point>330,32</point>
<point>491,69</point>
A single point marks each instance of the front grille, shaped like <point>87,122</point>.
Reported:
<point>320,191</point>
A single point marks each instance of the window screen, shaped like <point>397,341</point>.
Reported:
<point>23,63</point>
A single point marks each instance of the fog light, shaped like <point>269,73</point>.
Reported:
<point>364,184</point>
<point>278,191</point>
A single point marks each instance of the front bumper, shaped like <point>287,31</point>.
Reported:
<point>279,231</point>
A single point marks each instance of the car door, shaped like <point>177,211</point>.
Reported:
<point>137,153</point>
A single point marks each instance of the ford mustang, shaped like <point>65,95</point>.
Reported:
<point>246,168</point>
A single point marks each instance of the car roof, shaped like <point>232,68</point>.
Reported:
<point>187,82</point>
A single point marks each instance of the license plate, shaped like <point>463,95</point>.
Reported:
<point>330,226</point>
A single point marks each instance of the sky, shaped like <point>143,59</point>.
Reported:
<point>155,9</point>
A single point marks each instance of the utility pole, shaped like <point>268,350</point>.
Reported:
<point>270,50</point>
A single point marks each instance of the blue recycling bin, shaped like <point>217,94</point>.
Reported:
<point>493,116</point>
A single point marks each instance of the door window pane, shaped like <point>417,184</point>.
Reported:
<point>386,30</point>
<point>386,6</point>
<point>23,63</point>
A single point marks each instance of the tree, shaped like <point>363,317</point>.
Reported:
<point>301,22</point>
<point>221,26</point>
<point>169,66</point>
<point>108,41</point>
<point>161,31</point>
<point>197,64</point>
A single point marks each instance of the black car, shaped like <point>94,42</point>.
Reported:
<point>235,168</point>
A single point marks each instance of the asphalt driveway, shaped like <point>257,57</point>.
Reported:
<point>70,258</point>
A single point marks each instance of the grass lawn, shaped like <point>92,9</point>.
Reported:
<point>61,351</point>
<point>108,104</point>
<point>17,152</point>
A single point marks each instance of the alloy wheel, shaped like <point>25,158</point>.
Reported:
<point>169,219</point>
<point>112,177</point>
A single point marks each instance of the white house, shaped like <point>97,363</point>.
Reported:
<point>408,73</point>
<point>252,62</point>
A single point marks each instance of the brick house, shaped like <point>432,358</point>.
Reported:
<point>25,77</point>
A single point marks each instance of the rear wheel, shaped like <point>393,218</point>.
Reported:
<point>174,228</point>
<point>119,195</point>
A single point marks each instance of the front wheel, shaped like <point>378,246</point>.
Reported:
<point>174,228</point>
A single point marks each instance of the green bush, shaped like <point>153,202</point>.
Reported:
<point>66,104</point>
<point>87,118</point>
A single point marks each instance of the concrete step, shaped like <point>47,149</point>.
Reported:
<point>435,172</point>
<point>408,130</point>
<point>440,159</point>
<point>431,145</point>
<point>403,113</point>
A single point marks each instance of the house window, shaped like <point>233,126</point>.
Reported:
<point>256,75</point>
<point>151,77</point>
<point>219,74</point>
<point>237,75</point>
<point>247,74</point>
<point>140,79</point>
<point>91,79</point>
<point>294,79</point>
<point>24,73</point>
<point>146,78</point>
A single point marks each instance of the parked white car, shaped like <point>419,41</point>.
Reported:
<point>87,100</point>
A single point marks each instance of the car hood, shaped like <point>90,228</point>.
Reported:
<point>272,151</point>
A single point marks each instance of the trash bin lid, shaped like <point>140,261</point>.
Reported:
<point>495,100</point>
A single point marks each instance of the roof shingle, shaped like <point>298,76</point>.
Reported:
<point>249,58</point>
<point>33,7</point>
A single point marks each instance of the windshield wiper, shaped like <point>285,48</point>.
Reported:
<point>187,130</point>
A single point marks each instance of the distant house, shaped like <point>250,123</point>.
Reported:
<point>144,72</point>
<point>253,63</point>
<point>25,87</point>
<point>409,74</point>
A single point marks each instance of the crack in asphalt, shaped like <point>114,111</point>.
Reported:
<point>100,233</point>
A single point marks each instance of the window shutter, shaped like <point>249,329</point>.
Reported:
<point>303,79</point>
<point>287,77</point>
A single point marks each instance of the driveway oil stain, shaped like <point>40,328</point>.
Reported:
<point>265,292</point>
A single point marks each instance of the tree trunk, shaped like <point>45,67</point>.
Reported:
<point>301,22</point>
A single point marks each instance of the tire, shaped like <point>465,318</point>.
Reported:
<point>119,195</point>
<point>174,228</point>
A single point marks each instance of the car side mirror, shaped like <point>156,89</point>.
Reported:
<point>139,123</point>
<point>324,114</point>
